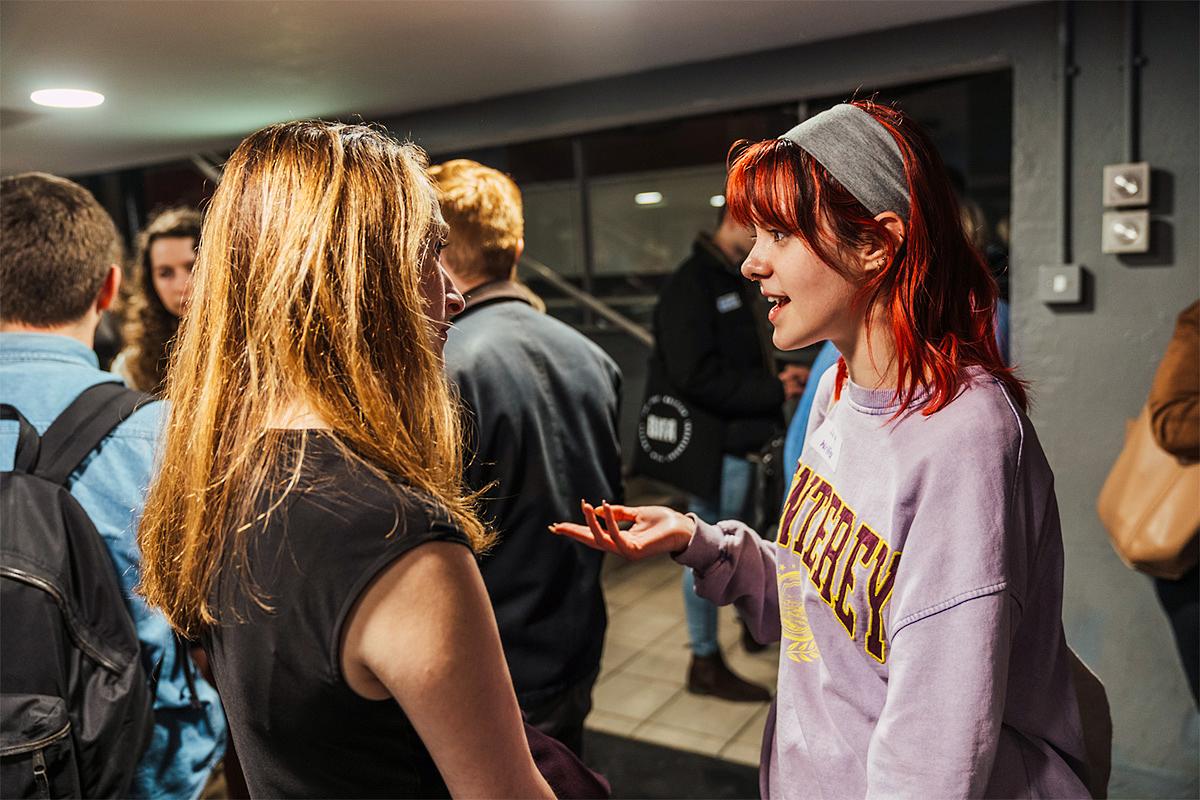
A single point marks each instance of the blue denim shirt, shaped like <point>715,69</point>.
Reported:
<point>40,374</point>
<point>827,356</point>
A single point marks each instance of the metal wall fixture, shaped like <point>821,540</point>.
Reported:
<point>1061,284</point>
<point>1126,188</point>
<point>1125,232</point>
<point>1127,185</point>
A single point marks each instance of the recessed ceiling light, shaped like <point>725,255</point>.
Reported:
<point>717,200</point>
<point>67,98</point>
<point>648,198</point>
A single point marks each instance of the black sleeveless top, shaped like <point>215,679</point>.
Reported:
<point>300,730</point>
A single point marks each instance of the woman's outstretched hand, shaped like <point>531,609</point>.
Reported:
<point>655,530</point>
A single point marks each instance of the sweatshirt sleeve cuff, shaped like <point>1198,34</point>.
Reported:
<point>705,548</point>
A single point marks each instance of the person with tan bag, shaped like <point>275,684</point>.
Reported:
<point>1174,407</point>
<point>1150,502</point>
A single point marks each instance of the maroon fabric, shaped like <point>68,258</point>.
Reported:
<point>567,775</point>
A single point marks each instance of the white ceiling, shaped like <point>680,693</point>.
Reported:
<point>184,76</point>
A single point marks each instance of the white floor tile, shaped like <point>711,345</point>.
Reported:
<point>704,714</point>
<point>614,724</point>
<point>667,662</point>
<point>641,626</point>
<point>644,669</point>
<point>632,695</point>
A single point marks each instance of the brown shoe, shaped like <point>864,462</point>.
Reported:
<point>709,675</point>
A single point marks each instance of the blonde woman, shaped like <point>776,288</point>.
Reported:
<point>308,522</point>
<point>162,287</point>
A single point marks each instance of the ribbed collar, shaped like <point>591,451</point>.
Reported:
<point>879,401</point>
<point>884,401</point>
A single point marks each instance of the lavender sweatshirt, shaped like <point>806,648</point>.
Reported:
<point>917,589</point>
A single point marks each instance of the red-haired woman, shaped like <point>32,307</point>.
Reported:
<point>917,580</point>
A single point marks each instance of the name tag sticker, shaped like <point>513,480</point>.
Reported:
<point>730,301</point>
<point>829,444</point>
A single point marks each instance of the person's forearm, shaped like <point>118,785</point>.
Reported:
<point>522,783</point>
<point>733,564</point>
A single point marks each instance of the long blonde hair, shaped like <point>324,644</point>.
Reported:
<point>307,289</point>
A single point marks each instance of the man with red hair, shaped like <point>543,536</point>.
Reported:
<point>542,402</point>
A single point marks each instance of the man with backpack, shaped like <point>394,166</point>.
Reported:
<point>75,682</point>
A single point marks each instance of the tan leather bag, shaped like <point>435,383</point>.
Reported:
<point>1150,504</point>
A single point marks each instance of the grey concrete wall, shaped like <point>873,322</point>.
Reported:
<point>1090,367</point>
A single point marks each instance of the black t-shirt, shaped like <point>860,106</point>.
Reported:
<point>300,730</point>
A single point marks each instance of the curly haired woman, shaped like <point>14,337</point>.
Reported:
<point>162,286</point>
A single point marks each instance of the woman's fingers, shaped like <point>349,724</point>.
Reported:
<point>580,534</point>
<point>614,532</point>
<point>589,514</point>
<point>636,543</point>
<point>610,520</point>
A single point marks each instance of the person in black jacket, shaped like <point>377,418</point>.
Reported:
<point>712,344</point>
<point>542,402</point>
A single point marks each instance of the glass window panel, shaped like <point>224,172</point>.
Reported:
<point>553,232</point>
<point>554,236</point>
<point>643,225</point>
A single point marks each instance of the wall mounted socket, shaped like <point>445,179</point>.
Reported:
<point>1127,185</point>
<point>1061,283</point>
<point>1125,232</point>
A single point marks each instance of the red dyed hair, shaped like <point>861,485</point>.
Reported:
<point>937,291</point>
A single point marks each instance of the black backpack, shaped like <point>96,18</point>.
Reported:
<point>75,704</point>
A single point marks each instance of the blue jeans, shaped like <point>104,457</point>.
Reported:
<point>736,476</point>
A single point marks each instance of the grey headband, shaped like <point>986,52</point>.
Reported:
<point>860,153</point>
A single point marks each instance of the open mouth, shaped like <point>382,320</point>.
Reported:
<point>778,302</point>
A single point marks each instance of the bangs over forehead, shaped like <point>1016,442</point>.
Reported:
<point>767,187</point>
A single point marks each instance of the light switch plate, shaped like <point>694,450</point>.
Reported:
<point>1125,232</point>
<point>1127,185</point>
<point>1062,283</point>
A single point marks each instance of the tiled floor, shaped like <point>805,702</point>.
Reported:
<point>641,691</point>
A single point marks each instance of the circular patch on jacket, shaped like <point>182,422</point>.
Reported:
<point>664,428</point>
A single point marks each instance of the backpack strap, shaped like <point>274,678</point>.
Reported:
<point>82,426</point>
<point>28,441</point>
